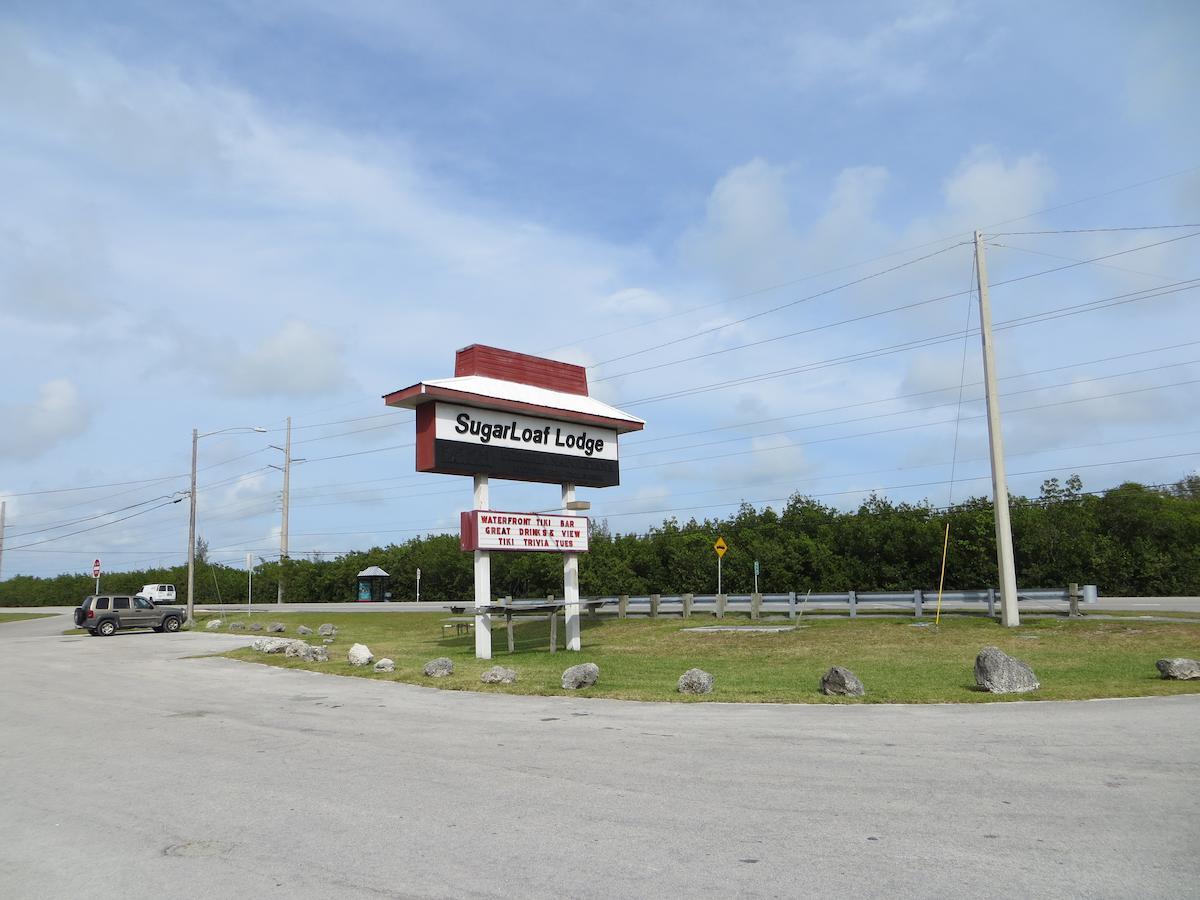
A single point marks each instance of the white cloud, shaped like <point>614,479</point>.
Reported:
<point>27,430</point>
<point>299,360</point>
<point>986,188</point>
<point>892,58</point>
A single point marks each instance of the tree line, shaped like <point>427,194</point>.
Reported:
<point>1133,540</point>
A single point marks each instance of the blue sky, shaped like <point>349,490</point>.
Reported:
<point>225,214</point>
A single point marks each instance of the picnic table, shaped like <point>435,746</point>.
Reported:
<point>535,609</point>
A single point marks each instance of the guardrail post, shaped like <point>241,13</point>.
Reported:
<point>722,599</point>
<point>755,605</point>
<point>991,601</point>
<point>687,605</point>
<point>918,602</point>
<point>1073,600</point>
<point>791,604</point>
<point>853,605</point>
<point>654,598</point>
<point>623,606</point>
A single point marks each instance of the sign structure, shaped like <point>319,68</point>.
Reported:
<point>488,530</point>
<point>96,569</point>
<point>523,418</point>
<point>720,546</point>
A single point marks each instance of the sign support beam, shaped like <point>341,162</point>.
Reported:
<point>571,582</point>
<point>483,582</point>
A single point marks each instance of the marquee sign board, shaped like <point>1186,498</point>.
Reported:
<point>524,418</point>
<point>485,529</point>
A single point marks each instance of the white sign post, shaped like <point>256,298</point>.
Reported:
<point>418,584</point>
<point>249,580</point>
<point>483,582</point>
<point>571,579</point>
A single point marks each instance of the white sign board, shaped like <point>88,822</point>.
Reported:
<point>470,425</point>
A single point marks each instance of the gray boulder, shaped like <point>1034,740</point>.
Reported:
<point>327,630</point>
<point>580,676</point>
<point>256,626</point>
<point>695,681</point>
<point>359,655</point>
<point>297,650</point>
<point>237,626</point>
<point>1179,669</point>
<point>440,667</point>
<point>327,641</point>
<point>276,628</point>
<point>213,624</point>
<point>385,665</point>
<point>841,682</point>
<point>272,645</point>
<point>498,675</point>
<point>303,629</point>
<point>320,653</point>
<point>999,673</point>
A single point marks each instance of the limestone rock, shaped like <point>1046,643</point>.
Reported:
<point>297,649</point>
<point>213,624</point>
<point>1179,669</point>
<point>359,655</point>
<point>256,626</point>
<point>385,665</point>
<point>841,682</point>
<point>327,641</point>
<point>695,681</point>
<point>276,627</point>
<point>999,673</point>
<point>499,675</point>
<point>237,626</point>
<point>327,630</point>
<point>440,667</point>
<point>272,645</point>
<point>580,676</point>
<point>304,629</point>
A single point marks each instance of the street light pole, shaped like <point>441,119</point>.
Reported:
<point>191,584</point>
<point>191,555</point>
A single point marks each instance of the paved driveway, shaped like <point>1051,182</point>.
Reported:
<point>130,768</point>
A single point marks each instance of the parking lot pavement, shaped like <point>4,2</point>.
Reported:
<point>133,768</point>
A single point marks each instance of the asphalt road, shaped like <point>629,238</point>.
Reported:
<point>130,768</point>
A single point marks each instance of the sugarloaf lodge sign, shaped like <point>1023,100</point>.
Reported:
<point>522,418</point>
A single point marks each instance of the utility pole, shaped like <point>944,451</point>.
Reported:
<point>283,532</point>
<point>1004,544</point>
<point>191,585</point>
<point>3,510</point>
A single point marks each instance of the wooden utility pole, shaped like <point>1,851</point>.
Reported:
<point>1004,545</point>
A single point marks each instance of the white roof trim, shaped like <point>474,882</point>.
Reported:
<point>527,393</point>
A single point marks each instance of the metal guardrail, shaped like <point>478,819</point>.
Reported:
<point>795,603</point>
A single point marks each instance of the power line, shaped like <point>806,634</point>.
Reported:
<point>1099,230</point>
<point>914,344</point>
<point>775,309</point>
<point>910,427</point>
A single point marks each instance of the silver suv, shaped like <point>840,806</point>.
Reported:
<point>104,614</point>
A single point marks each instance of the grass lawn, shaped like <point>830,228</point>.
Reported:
<point>642,659</point>
<point>17,617</point>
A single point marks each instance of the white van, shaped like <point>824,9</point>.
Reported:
<point>158,594</point>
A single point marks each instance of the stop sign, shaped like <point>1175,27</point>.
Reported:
<point>96,569</point>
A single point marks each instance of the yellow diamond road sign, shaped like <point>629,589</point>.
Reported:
<point>720,546</point>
